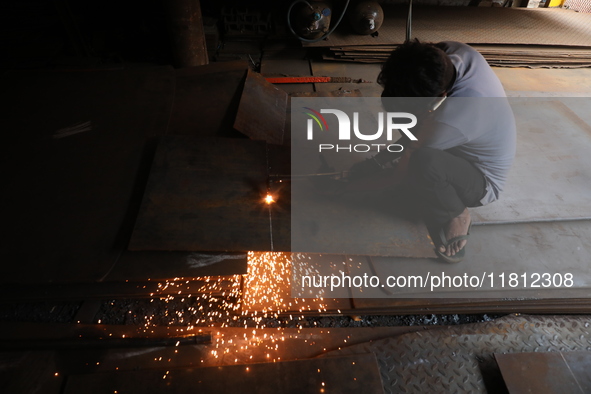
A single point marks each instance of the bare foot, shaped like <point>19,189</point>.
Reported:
<point>457,226</point>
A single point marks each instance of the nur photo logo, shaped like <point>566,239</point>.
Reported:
<point>347,129</point>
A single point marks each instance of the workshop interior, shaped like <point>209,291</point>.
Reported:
<point>161,233</point>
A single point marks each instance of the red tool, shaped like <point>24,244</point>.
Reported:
<point>314,80</point>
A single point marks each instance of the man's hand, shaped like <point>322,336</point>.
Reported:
<point>364,169</point>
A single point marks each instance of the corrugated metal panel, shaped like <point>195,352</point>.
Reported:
<point>579,5</point>
<point>460,359</point>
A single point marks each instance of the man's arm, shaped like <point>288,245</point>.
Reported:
<point>377,162</point>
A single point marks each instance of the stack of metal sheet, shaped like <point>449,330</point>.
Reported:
<point>510,37</point>
<point>533,56</point>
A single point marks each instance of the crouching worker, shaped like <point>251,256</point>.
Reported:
<point>465,146</point>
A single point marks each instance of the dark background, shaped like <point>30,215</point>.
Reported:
<point>58,34</point>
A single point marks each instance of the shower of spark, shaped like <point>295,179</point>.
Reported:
<point>267,287</point>
<point>249,300</point>
<point>252,300</point>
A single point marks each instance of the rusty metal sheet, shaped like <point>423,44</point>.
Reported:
<point>555,372</point>
<point>278,162</point>
<point>288,344</point>
<point>106,290</point>
<point>550,177</point>
<point>185,23</point>
<point>496,55</point>
<point>98,341</point>
<point>206,99</point>
<point>239,346</point>
<point>78,153</point>
<point>262,110</point>
<point>525,249</point>
<point>460,358</point>
<point>475,25</point>
<point>205,194</point>
<point>30,372</point>
<point>579,364</point>
<point>156,265</point>
<point>362,223</point>
<point>350,374</point>
<point>284,62</point>
<point>386,306</point>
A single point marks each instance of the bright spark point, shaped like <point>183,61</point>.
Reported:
<point>269,199</point>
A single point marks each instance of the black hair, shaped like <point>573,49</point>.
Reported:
<point>415,69</point>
